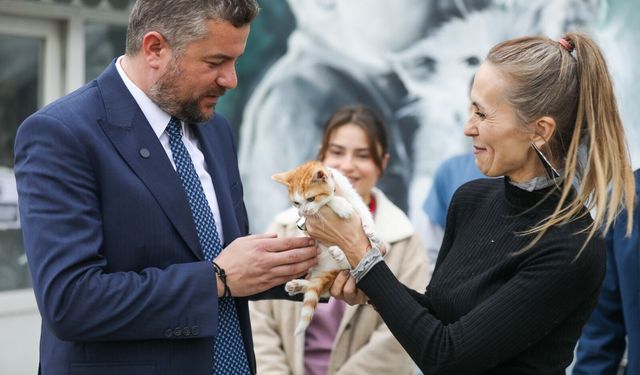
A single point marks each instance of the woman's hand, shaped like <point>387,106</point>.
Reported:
<point>344,288</point>
<point>347,234</point>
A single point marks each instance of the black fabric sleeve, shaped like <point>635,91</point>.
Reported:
<point>525,309</point>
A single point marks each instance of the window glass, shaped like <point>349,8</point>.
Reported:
<point>103,42</point>
<point>20,93</point>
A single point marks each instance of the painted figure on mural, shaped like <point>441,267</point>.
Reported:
<point>438,69</point>
<point>338,55</point>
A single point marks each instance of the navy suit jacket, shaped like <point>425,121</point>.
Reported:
<point>617,315</point>
<point>118,272</point>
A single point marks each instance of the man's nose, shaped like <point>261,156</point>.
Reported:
<point>228,79</point>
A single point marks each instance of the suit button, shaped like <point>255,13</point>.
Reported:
<point>195,330</point>
<point>186,331</point>
<point>168,333</point>
<point>177,332</point>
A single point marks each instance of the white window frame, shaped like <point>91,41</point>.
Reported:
<point>62,29</point>
<point>50,32</point>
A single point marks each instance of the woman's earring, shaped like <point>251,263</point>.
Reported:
<point>548,168</point>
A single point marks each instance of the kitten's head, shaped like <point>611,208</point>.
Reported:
<point>310,186</point>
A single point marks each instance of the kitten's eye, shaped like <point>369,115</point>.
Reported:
<point>295,203</point>
<point>311,199</point>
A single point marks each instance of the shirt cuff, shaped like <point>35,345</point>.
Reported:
<point>370,259</point>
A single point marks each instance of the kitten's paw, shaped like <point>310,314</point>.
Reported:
<point>341,207</point>
<point>339,256</point>
<point>296,286</point>
<point>336,253</point>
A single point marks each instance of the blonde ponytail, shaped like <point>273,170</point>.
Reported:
<point>575,88</point>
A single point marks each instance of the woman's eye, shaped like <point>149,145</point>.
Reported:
<point>311,199</point>
<point>481,115</point>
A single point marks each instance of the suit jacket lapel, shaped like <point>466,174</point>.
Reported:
<point>209,146</point>
<point>130,133</point>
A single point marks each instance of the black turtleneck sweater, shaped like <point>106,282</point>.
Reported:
<point>489,309</point>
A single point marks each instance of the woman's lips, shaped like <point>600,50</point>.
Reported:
<point>477,150</point>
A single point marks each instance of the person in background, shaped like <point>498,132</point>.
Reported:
<point>522,261</point>
<point>344,339</point>
<point>449,176</point>
<point>614,325</point>
<point>132,211</point>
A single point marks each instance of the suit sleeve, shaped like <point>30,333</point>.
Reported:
<point>78,299</point>
<point>602,342</point>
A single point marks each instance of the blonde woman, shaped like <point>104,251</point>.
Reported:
<point>522,261</point>
<point>344,339</point>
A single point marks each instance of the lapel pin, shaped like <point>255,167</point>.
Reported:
<point>145,153</point>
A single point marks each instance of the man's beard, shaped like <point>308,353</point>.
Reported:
<point>165,93</point>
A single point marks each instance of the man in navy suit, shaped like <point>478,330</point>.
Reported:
<point>615,323</point>
<point>118,268</point>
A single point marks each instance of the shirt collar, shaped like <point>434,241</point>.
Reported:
<point>158,119</point>
<point>539,182</point>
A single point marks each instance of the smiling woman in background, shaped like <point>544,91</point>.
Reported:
<point>344,339</point>
<point>522,261</point>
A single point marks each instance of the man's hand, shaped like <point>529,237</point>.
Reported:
<point>344,288</point>
<point>259,262</point>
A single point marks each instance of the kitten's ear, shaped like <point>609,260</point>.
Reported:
<point>282,178</point>
<point>320,176</point>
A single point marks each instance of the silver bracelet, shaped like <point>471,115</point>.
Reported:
<point>370,259</point>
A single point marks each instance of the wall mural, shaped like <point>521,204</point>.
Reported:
<point>410,60</point>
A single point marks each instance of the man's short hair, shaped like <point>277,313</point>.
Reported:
<point>183,21</point>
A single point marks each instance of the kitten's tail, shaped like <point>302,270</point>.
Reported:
<point>309,304</point>
<point>311,298</point>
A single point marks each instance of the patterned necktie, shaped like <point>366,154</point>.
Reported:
<point>228,352</point>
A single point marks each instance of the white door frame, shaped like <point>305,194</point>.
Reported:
<point>18,310</point>
<point>50,31</point>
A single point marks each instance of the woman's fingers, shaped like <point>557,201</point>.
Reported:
<point>338,284</point>
<point>344,287</point>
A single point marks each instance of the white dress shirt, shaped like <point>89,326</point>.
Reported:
<point>159,120</point>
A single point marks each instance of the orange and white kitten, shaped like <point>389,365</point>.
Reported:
<point>311,186</point>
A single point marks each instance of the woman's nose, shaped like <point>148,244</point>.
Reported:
<point>347,163</point>
<point>470,129</point>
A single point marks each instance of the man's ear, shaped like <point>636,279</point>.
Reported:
<point>543,130</point>
<point>155,49</point>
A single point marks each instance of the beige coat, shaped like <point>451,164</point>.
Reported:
<point>364,344</point>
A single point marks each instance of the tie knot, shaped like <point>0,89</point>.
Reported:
<point>173,129</point>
